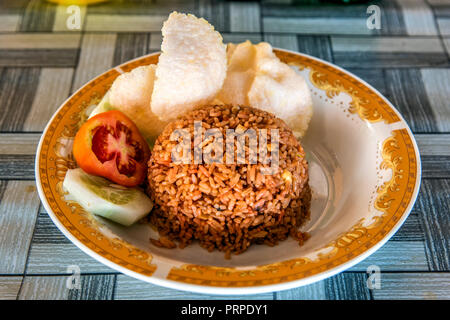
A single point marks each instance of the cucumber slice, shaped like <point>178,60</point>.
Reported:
<point>102,106</point>
<point>104,198</point>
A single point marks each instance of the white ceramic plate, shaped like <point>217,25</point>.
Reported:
<point>364,173</point>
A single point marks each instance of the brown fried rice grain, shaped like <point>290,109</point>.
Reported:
<point>228,206</point>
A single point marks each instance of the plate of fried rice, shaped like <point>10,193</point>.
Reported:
<point>250,192</point>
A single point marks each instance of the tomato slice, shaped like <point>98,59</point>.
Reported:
<point>110,145</point>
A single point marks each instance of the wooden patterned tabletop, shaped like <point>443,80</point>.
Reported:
<point>42,62</point>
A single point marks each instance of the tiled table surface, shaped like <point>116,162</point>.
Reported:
<point>42,63</point>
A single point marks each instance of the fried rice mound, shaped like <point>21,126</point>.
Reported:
<point>224,206</point>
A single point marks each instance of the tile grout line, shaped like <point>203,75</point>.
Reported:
<point>28,252</point>
<point>330,45</point>
<point>113,295</point>
<point>438,29</point>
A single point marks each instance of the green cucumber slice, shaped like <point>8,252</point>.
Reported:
<point>104,198</point>
<point>102,106</point>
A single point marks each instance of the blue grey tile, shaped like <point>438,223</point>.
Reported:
<point>94,287</point>
<point>347,286</point>
<point>434,207</point>
<point>444,26</point>
<point>216,12</point>
<point>413,286</point>
<point>436,166</point>
<point>128,288</point>
<point>322,25</point>
<point>441,10</point>
<point>17,90</point>
<point>437,82</point>
<point>38,16</point>
<point>45,231</point>
<point>313,9</point>
<point>392,21</point>
<point>130,46</point>
<point>315,291</point>
<point>143,7</point>
<point>17,167</point>
<point>38,57</point>
<point>317,46</point>
<point>241,37</point>
<point>373,76</point>
<point>364,59</point>
<point>13,7</point>
<point>411,230</point>
<point>406,91</point>
<point>283,41</point>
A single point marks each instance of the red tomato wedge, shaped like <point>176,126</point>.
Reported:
<point>110,145</point>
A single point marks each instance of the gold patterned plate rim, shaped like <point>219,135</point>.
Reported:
<point>395,198</point>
